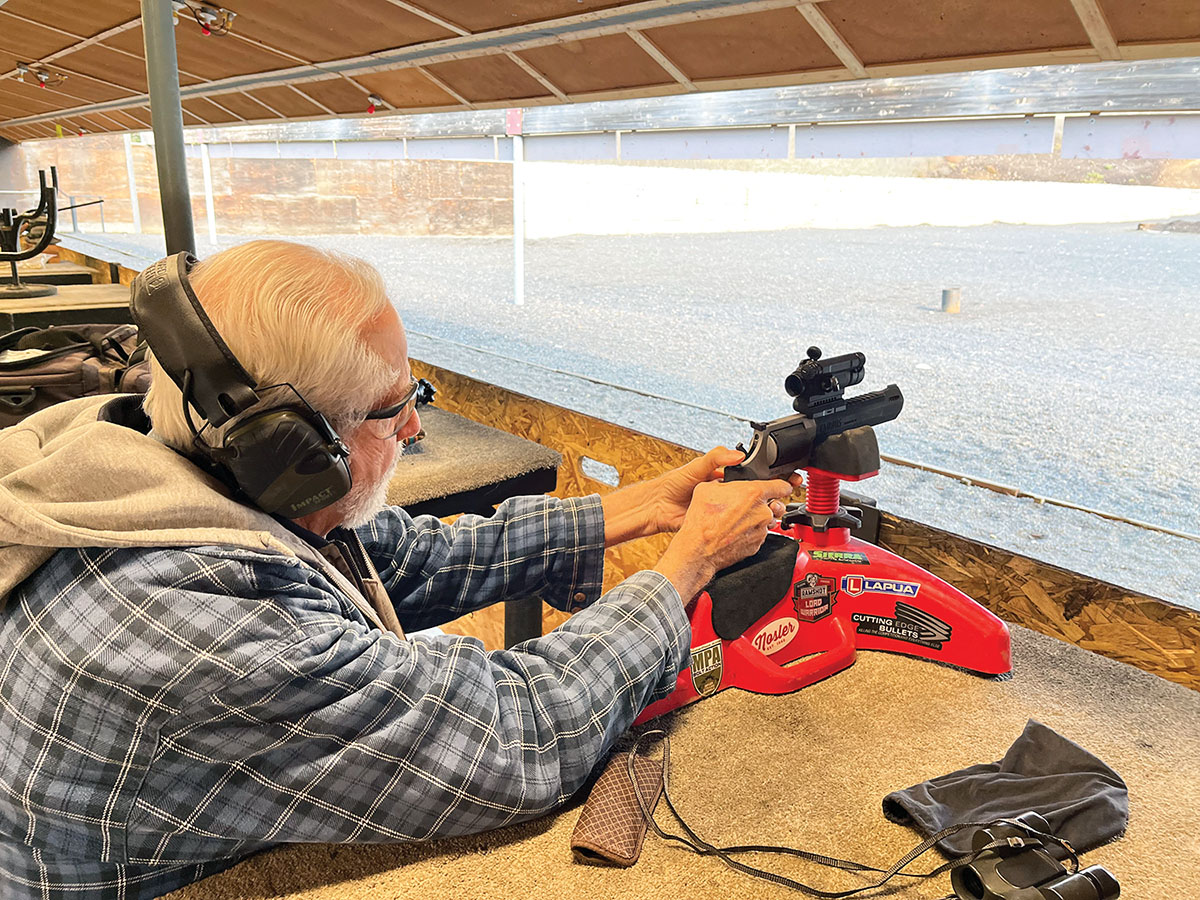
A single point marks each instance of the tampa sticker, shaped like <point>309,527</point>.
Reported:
<point>774,636</point>
<point>707,665</point>
<point>814,597</point>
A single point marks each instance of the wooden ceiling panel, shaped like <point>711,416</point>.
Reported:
<point>485,15</point>
<point>598,64</point>
<point>96,124</point>
<point>28,41</point>
<point>903,30</point>
<point>132,119</point>
<point>208,57</point>
<point>18,96</point>
<point>83,17</point>
<point>765,43</point>
<point>26,96</point>
<point>1153,20</point>
<point>338,94</point>
<point>488,78</point>
<point>406,89</point>
<point>207,111</point>
<point>316,30</point>
<point>79,85</point>
<point>246,107</point>
<point>776,46</point>
<point>109,65</point>
<point>287,102</point>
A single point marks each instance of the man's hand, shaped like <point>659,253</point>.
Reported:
<point>673,490</point>
<point>724,524</point>
<point>659,505</point>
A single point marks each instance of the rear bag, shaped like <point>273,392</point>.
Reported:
<point>43,366</point>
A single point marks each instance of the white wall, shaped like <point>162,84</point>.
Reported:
<point>566,198</point>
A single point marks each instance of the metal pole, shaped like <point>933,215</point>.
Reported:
<point>208,196</point>
<point>166,117</point>
<point>518,200</point>
<point>133,194</point>
<point>74,214</point>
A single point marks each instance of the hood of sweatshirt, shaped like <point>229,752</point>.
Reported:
<point>85,473</point>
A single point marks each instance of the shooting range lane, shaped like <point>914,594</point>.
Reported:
<point>810,769</point>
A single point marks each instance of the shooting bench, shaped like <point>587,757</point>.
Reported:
<point>810,769</point>
<point>74,304</point>
<point>51,273</point>
<point>464,467</point>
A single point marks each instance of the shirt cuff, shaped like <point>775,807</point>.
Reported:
<point>663,598</point>
<point>580,572</point>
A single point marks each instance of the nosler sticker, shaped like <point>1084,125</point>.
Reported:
<point>707,666</point>
<point>774,636</point>
<point>849,557</point>
<point>915,626</point>
<point>814,597</point>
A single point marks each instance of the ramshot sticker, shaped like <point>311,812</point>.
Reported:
<point>814,597</point>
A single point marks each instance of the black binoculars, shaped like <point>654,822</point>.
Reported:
<point>1022,867</point>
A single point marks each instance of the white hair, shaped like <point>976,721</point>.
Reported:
<point>291,314</point>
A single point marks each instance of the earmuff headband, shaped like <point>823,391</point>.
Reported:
<point>185,340</point>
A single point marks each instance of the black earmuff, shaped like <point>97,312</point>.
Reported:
<point>287,460</point>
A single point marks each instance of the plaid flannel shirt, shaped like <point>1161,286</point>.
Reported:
<point>165,712</point>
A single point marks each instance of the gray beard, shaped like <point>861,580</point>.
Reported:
<point>362,505</point>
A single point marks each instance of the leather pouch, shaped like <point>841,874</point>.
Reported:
<point>611,828</point>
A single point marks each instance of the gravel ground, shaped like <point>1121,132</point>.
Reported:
<point>1070,373</point>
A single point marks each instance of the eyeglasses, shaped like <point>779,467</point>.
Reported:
<point>388,422</point>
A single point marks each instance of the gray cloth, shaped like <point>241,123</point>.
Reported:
<point>1084,800</point>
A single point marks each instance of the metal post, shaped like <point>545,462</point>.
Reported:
<point>518,199</point>
<point>74,214</point>
<point>951,300</point>
<point>166,117</point>
<point>208,196</point>
<point>133,194</point>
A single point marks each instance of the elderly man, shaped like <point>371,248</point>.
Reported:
<point>185,679</point>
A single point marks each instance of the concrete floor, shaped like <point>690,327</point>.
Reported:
<point>1071,371</point>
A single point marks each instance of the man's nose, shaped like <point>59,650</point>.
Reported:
<point>410,428</point>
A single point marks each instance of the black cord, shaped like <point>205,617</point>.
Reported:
<point>702,847</point>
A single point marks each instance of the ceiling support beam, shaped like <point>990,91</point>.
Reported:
<point>80,40</point>
<point>597,23</point>
<point>313,100</point>
<point>1097,28</point>
<point>272,110</point>
<point>832,38</point>
<point>445,87</point>
<point>223,109</point>
<point>661,58</point>
<point>263,45</point>
<point>162,75</point>
<point>430,17</point>
<point>539,77</point>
